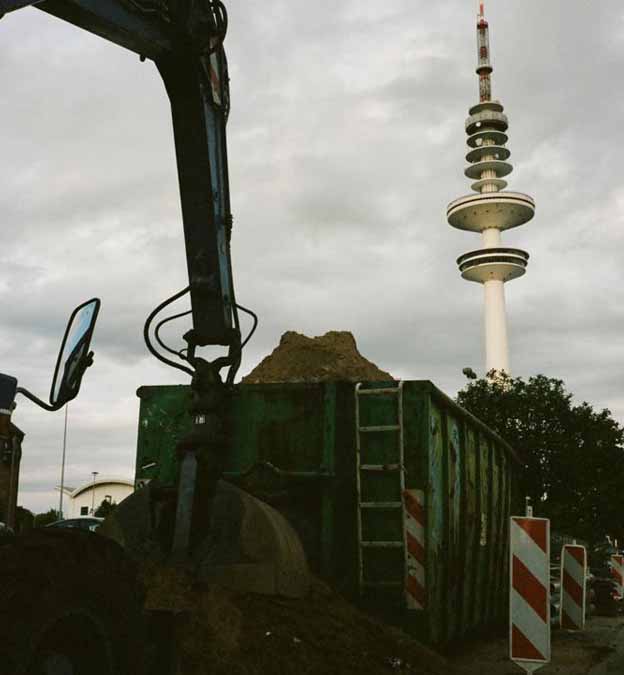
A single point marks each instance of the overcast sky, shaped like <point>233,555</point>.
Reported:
<point>346,142</point>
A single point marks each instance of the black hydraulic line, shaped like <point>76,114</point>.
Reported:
<point>255,319</point>
<point>237,358</point>
<point>221,18</point>
<point>236,363</point>
<point>162,323</point>
<point>147,326</point>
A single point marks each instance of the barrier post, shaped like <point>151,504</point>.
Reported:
<point>617,571</point>
<point>415,556</point>
<point>573,587</point>
<point>529,592</point>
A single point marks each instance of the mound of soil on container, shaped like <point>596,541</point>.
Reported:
<point>225,633</point>
<point>330,357</point>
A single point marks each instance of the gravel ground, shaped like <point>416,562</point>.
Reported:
<point>573,653</point>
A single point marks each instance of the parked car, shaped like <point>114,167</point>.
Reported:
<point>85,523</point>
<point>607,599</point>
<point>5,530</point>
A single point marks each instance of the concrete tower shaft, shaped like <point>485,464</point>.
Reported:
<point>492,209</point>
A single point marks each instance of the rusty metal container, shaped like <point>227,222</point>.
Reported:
<point>337,460</point>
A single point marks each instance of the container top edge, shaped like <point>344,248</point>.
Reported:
<point>448,401</point>
<point>425,386</point>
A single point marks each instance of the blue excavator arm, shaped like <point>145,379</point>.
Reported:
<point>185,40</point>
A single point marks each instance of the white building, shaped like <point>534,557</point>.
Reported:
<point>83,500</point>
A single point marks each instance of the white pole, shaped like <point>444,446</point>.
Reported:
<point>529,508</point>
<point>496,349</point>
<point>94,474</point>
<point>63,465</point>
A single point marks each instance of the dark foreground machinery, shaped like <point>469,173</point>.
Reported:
<point>69,603</point>
<point>68,595</point>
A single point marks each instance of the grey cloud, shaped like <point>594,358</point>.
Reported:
<point>346,143</point>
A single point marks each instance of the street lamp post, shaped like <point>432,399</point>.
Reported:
<point>94,474</point>
<point>63,465</point>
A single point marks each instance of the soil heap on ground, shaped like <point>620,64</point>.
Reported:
<point>330,357</point>
<point>221,632</point>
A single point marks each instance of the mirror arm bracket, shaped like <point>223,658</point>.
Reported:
<point>38,401</point>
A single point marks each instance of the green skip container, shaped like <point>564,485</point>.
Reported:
<point>401,497</point>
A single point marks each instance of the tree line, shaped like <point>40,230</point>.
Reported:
<point>26,519</point>
<point>573,455</point>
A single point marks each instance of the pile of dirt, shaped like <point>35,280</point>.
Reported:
<point>330,357</point>
<point>226,633</point>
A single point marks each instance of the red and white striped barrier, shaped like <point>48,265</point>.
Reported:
<point>573,573</point>
<point>529,590</point>
<point>617,571</point>
<point>414,519</point>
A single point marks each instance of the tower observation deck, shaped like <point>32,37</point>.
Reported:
<point>491,209</point>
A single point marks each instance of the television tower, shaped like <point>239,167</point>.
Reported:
<point>491,210</point>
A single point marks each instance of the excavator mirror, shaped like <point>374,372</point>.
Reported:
<point>74,356</point>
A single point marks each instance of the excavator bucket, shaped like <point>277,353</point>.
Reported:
<point>250,547</point>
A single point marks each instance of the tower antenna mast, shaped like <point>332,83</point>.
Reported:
<point>484,67</point>
<point>491,210</point>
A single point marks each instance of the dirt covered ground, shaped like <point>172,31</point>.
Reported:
<point>572,653</point>
<point>245,634</point>
<point>298,358</point>
<point>236,634</point>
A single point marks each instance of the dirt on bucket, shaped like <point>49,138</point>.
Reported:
<point>330,357</point>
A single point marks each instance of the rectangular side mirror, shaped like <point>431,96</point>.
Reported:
<point>74,356</point>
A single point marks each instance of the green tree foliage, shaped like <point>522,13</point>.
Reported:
<point>24,519</point>
<point>573,455</point>
<point>105,508</point>
<point>43,519</point>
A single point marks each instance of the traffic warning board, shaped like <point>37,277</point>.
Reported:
<point>573,573</point>
<point>529,601</point>
<point>617,571</point>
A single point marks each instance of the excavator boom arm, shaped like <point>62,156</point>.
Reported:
<point>184,39</point>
